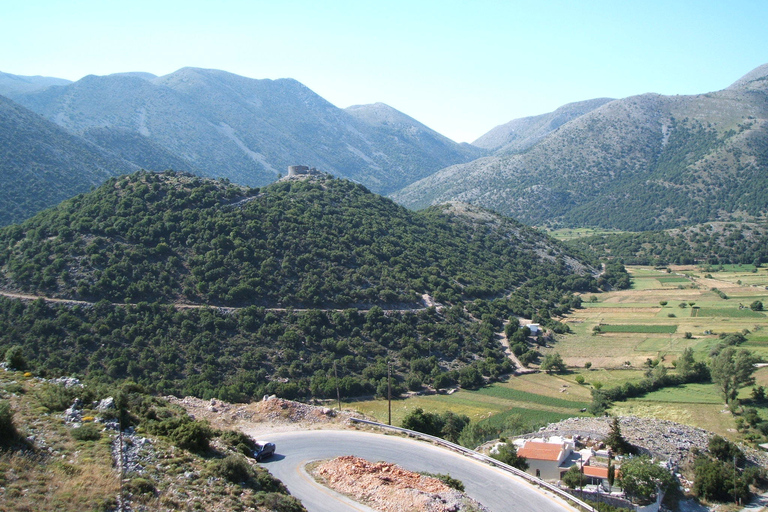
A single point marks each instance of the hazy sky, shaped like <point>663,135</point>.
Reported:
<point>460,67</point>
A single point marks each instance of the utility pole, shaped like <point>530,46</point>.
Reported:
<point>389,392</point>
<point>336,376</point>
<point>735,498</point>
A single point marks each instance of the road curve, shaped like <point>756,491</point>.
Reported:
<point>496,489</point>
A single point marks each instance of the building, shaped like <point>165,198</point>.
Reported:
<point>548,459</point>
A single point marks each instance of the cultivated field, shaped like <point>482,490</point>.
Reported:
<point>634,327</point>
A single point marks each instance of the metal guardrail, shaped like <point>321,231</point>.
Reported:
<point>488,460</point>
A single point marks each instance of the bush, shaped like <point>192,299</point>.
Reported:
<point>233,468</point>
<point>239,442</point>
<point>194,436</point>
<point>507,453</point>
<point>579,379</point>
<point>448,480</point>
<point>56,397</point>
<point>139,486</point>
<point>86,432</point>
<point>7,429</point>
<point>14,356</point>
<point>573,478</point>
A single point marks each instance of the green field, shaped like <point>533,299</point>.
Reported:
<point>673,279</point>
<point>651,329</point>
<point>726,313</point>
<point>634,327</point>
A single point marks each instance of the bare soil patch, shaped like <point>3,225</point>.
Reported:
<point>390,488</point>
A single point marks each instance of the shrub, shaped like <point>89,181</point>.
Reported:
<point>580,379</point>
<point>14,356</point>
<point>574,478</point>
<point>448,480</point>
<point>239,442</point>
<point>86,432</point>
<point>139,486</point>
<point>56,397</point>
<point>233,468</point>
<point>194,436</point>
<point>7,428</point>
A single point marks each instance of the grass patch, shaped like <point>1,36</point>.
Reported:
<point>650,329</point>
<point>524,396</point>
<point>532,419</point>
<point>673,279</point>
<point>687,394</point>
<point>729,313</point>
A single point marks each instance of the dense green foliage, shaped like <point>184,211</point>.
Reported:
<point>721,474</point>
<point>147,239</point>
<point>713,244</point>
<point>151,237</point>
<point>8,433</point>
<point>507,453</point>
<point>447,425</point>
<point>574,478</point>
<point>641,478</point>
<point>732,370</point>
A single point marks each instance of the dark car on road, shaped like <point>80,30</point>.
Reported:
<point>264,451</point>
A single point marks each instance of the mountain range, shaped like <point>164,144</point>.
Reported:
<point>218,124</point>
<point>638,163</point>
<point>645,162</point>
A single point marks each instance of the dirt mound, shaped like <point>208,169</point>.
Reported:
<point>271,414</point>
<point>390,488</point>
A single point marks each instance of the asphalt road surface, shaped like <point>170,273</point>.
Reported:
<point>496,489</point>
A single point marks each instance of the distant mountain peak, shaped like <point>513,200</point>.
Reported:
<point>757,78</point>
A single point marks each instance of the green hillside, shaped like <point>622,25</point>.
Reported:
<point>359,262</point>
<point>714,243</point>
<point>323,242</point>
<point>41,164</point>
<point>641,163</point>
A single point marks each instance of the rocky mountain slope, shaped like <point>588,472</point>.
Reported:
<point>42,164</point>
<point>18,84</point>
<point>520,134</point>
<point>644,162</point>
<point>224,125</point>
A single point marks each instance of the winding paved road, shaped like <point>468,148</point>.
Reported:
<point>497,490</point>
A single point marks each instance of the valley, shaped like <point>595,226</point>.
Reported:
<point>154,257</point>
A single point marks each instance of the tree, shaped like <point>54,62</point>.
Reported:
<point>425,422</point>
<point>642,479</point>
<point>553,363</point>
<point>507,453</point>
<point>14,356</point>
<point>574,478</point>
<point>616,440</point>
<point>732,370</point>
<point>756,306</point>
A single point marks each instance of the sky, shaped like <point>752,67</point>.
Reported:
<point>459,67</point>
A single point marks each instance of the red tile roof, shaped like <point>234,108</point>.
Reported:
<point>541,451</point>
<point>596,471</point>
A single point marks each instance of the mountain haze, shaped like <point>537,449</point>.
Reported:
<point>643,162</point>
<point>42,164</point>
<point>520,134</point>
<point>18,84</point>
<point>224,125</point>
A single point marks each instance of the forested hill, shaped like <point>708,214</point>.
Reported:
<point>641,163</point>
<point>156,240</point>
<point>298,243</point>
<point>713,243</point>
